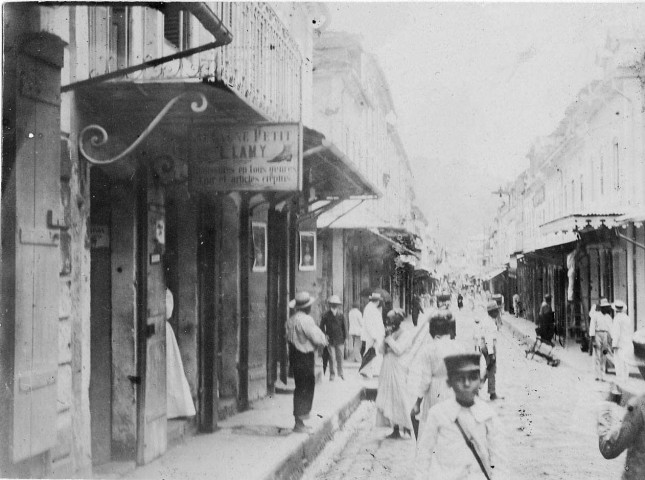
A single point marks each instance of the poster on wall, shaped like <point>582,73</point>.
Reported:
<point>259,246</point>
<point>258,157</point>
<point>307,251</point>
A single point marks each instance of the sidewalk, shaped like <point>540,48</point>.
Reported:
<point>259,443</point>
<point>571,355</point>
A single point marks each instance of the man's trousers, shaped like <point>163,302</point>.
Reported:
<point>305,380</point>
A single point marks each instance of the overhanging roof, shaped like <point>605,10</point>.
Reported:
<point>493,273</point>
<point>578,221</point>
<point>332,174</point>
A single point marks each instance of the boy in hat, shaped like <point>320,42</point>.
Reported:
<point>600,336</point>
<point>304,337</point>
<point>333,325</point>
<point>621,339</point>
<point>461,438</point>
<point>622,429</point>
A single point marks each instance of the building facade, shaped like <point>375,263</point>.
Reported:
<point>571,224</point>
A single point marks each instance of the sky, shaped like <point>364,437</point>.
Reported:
<point>474,84</point>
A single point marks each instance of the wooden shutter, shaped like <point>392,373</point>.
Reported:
<point>37,257</point>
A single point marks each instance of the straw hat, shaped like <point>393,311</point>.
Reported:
<point>619,305</point>
<point>375,296</point>
<point>334,300</point>
<point>302,300</point>
<point>604,302</point>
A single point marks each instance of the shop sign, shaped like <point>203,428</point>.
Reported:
<point>250,158</point>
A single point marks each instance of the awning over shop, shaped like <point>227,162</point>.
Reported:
<point>635,215</point>
<point>401,240</point>
<point>577,222</point>
<point>493,273</point>
<point>330,173</point>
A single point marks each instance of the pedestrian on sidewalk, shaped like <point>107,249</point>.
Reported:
<point>621,340</point>
<point>600,336</point>
<point>516,304</point>
<point>333,326</point>
<point>392,399</point>
<point>486,343</point>
<point>373,333</point>
<point>355,330</point>
<point>461,438</point>
<point>621,428</point>
<point>304,337</point>
<point>433,385</point>
<point>546,320</point>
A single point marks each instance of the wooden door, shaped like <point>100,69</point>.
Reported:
<point>209,341</point>
<point>30,251</point>
<point>151,300</point>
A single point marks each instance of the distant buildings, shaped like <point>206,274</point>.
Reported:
<point>572,223</point>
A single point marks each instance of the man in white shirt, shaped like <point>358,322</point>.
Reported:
<point>621,340</point>
<point>304,337</point>
<point>355,330</point>
<point>373,333</point>
<point>486,342</point>
<point>600,335</point>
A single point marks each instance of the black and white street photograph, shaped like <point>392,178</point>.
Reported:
<point>340,240</point>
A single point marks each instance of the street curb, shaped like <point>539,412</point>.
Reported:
<point>293,466</point>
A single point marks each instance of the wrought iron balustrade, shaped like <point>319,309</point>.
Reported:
<point>262,64</point>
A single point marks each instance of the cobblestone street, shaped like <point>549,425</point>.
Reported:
<point>548,417</point>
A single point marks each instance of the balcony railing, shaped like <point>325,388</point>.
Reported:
<point>262,64</point>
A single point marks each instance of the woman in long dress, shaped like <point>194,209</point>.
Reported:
<point>179,401</point>
<point>393,399</point>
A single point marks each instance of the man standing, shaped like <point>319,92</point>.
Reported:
<point>600,336</point>
<point>516,304</point>
<point>486,343</point>
<point>303,336</point>
<point>621,340</point>
<point>373,333</point>
<point>333,325</point>
<point>355,330</point>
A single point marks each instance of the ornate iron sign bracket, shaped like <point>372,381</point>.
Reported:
<point>98,136</point>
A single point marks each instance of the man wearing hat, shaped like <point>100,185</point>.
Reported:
<point>304,337</point>
<point>622,429</point>
<point>621,339</point>
<point>461,438</point>
<point>600,336</point>
<point>333,325</point>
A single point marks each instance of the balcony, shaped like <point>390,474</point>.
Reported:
<point>262,65</point>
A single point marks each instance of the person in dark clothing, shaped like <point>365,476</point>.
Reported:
<point>417,308</point>
<point>333,325</point>
<point>304,337</point>
<point>546,320</point>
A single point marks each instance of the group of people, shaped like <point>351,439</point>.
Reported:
<point>610,334</point>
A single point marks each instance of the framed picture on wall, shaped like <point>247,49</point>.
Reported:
<point>259,246</point>
<point>307,251</point>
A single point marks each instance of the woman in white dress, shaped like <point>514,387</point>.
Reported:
<point>392,399</point>
<point>179,401</point>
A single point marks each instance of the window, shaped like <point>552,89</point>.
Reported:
<point>602,174</point>
<point>617,165</point>
<point>176,27</point>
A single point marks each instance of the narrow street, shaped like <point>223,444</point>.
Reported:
<point>548,417</point>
